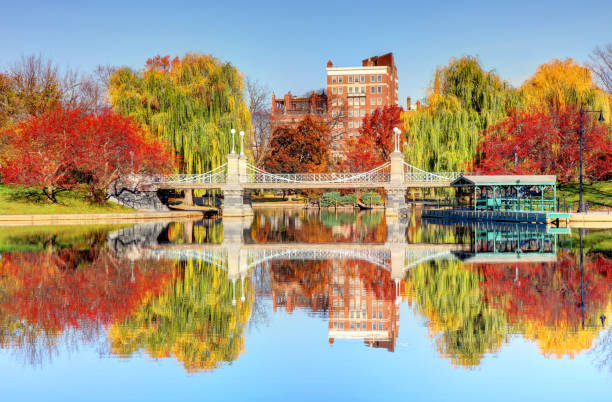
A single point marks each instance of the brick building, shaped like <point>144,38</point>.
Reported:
<point>291,109</point>
<point>354,92</point>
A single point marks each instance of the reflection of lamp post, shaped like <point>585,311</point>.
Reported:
<point>397,133</point>
<point>233,131</point>
<point>580,131</point>
<point>581,278</point>
<point>241,142</point>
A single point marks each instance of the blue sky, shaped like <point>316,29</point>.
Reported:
<point>286,45</point>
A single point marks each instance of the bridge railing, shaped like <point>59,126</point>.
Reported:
<point>215,176</point>
<point>412,173</point>
<point>380,174</point>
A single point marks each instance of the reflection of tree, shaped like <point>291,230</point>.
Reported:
<point>300,283</point>
<point>72,292</point>
<point>463,326</point>
<point>197,319</point>
<point>326,227</point>
<point>543,300</point>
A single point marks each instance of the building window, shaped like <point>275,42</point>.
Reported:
<point>340,113</point>
<point>334,113</point>
<point>380,315</point>
<point>380,326</point>
<point>380,78</point>
<point>362,100</point>
<point>350,101</point>
<point>373,325</point>
<point>340,125</point>
<point>340,90</point>
<point>363,293</point>
<point>373,315</point>
<point>335,291</point>
<point>362,113</point>
<point>342,314</point>
<point>363,90</point>
<point>362,78</point>
<point>356,78</point>
<point>335,325</point>
<point>333,79</point>
<point>372,90</point>
<point>340,102</point>
<point>350,79</point>
<point>358,326</point>
<point>351,126</point>
<point>350,90</point>
<point>379,89</point>
<point>334,90</point>
<point>334,102</point>
<point>372,78</point>
<point>340,79</point>
<point>341,325</point>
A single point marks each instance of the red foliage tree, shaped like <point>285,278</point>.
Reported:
<point>59,149</point>
<point>303,148</point>
<point>545,142</point>
<point>375,142</point>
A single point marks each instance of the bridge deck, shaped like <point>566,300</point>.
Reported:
<point>298,186</point>
<point>319,246</point>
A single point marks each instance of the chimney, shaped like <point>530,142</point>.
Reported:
<point>408,103</point>
<point>287,98</point>
<point>329,64</point>
<point>418,105</point>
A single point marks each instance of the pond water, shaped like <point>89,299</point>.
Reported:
<point>290,305</point>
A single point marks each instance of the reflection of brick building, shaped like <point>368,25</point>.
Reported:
<point>359,312</point>
<point>291,109</point>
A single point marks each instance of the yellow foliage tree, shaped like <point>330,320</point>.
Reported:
<point>562,83</point>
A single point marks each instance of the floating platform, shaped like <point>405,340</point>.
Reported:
<point>496,216</point>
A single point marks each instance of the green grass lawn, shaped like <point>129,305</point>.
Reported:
<point>598,194</point>
<point>20,200</point>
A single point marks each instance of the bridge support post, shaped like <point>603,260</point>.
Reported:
<point>188,200</point>
<point>234,203</point>
<point>396,192</point>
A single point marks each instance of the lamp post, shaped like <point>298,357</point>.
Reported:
<point>241,143</point>
<point>233,131</point>
<point>397,133</point>
<point>581,132</point>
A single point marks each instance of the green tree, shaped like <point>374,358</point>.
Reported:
<point>461,323</point>
<point>463,100</point>
<point>191,102</point>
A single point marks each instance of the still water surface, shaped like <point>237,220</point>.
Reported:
<point>298,306</point>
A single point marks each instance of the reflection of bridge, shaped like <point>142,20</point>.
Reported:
<point>237,176</point>
<point>240,258</point>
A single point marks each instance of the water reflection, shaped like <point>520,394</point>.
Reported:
<point>190,290</point>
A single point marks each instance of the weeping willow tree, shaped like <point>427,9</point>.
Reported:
<point>463,326</point>
<point>562,83</point>
<point>462,101</point>
<point>192,102</point>
<point>199,320</point>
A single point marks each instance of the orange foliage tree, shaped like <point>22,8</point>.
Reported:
<point>376,140</point>
<point>301,148</point>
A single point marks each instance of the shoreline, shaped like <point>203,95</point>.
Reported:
<point>96,218</point>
